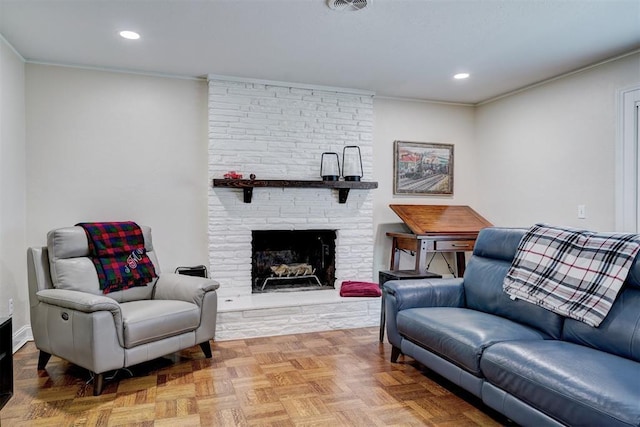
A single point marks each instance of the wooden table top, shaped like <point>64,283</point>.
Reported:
<point>440,219</point>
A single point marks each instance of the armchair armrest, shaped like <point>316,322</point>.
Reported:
<point>79,301</point>
<point>182,287</point>
<point>426,293</point>
<point>85,308</point>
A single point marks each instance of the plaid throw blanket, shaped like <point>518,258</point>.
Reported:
<point>117,251</point>
<point>575,273</point>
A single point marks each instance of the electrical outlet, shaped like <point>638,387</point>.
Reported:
<point>10,306</point>
<point>582,211</point>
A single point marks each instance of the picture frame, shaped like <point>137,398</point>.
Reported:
<point>422,168</point>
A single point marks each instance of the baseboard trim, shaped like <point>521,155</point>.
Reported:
<point>21,337</point>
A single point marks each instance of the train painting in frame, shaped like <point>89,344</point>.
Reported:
<point>422,168</point>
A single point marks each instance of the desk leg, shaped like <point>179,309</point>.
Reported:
<point>395,255</point>
<point>421,255</point>
<point>461,263</point>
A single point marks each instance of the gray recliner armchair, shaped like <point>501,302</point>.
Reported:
<point>71,318</point>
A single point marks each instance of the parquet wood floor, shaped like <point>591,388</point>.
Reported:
<point>337,378</point>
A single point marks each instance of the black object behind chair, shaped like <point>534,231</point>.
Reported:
<point>198,271</point>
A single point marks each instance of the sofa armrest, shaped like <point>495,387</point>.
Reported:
<point>406,294</point>
<point>426,293</point>
<point>171,286</point>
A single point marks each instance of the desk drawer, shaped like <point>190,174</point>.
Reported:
<point>454,245</point>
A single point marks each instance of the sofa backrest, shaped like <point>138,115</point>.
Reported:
<point>71,268</point>
<point>492,256</point>
<point>619,332</point>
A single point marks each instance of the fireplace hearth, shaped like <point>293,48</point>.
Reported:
<point>292,260</point>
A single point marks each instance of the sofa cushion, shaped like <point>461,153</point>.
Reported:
<point>483,291</point>
<point>152,320</point>
<point>574,384</point>
<point>619,332</point>
<point>71,268</point>
<point>458,334</point>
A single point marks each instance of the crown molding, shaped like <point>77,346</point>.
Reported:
<point>13,49</point>
<point>558,77</point>
<point>218,77</point>
<point>115,70</point>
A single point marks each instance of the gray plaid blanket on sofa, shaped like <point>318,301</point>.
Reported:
<point>575,273</point>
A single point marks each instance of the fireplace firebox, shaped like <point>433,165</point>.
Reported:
<point>293,260</point>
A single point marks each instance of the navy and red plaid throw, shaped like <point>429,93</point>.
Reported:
<point>118,253</point>
<point>575,273</point>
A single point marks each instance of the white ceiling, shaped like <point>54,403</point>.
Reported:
<point>398,48</point>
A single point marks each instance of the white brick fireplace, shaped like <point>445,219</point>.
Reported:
<point>279,131</point>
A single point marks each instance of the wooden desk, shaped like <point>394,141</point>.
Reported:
<point>422,244</point>
<point>436,228</point>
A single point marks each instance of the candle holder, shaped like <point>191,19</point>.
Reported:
<point>330,166</point>
<point>351,163</point>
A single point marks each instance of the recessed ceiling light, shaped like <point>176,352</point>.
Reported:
<point>461,76</point>
<point>349,5</point>
<point>130,35</point>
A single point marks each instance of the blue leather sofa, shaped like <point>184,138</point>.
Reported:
<point>535,367</point>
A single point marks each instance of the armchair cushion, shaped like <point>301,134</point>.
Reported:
<point>152,320</point>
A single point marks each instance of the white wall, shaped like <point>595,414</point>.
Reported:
<point>419,122</point>
<point>13,258</point>
<point>104,146</point>
<point>542,152</point>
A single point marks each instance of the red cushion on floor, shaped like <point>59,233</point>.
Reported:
<point>351,288</point>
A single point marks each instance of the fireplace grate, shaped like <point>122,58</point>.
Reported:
<point>291,278</point>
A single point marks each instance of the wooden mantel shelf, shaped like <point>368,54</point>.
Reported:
<point>247,185</point>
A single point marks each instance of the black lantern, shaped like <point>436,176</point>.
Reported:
<point>351,163</point>
<point>330,166</point>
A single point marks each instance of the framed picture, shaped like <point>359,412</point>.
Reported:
<point>422,168</point>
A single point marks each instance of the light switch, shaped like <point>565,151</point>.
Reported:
<point>582,211</point>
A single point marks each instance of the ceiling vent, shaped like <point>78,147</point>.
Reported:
<point>348,5</point>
